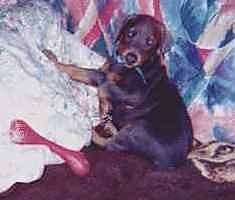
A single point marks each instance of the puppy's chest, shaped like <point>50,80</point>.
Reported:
<point>131,83</point>
<point>125,90</point>
<point>125,79</point>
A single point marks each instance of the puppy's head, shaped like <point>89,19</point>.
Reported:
<point>140,39</point>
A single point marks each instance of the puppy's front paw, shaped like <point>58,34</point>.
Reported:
<point>99,140</point>
<point>50,55</point>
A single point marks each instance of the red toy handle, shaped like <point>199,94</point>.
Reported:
<point>22,133</point>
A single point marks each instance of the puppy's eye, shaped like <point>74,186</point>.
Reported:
<point>131,33</point>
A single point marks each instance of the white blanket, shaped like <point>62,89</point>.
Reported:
<point>32,89</point>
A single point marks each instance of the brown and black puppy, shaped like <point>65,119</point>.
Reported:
<point>138,102</point>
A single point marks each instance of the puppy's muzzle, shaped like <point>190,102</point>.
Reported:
<point>131,58</point>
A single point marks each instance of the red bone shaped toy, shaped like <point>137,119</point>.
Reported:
<point>22,133</point>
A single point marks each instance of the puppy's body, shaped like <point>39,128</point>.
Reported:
<point>145,110</point>
<point>153,121</point>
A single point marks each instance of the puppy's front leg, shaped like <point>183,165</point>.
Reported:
<point>91,77</point>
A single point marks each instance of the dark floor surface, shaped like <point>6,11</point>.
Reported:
<point>121,176</point>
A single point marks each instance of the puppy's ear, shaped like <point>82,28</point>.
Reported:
<point>163,46</point>
<point>165,40</point>
<point>130,19</point>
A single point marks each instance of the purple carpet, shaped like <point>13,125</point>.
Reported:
<point>121,176</point>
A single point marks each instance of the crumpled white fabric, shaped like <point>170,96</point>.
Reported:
<point>32,89</point>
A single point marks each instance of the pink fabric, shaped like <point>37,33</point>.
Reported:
<point>104,17</point>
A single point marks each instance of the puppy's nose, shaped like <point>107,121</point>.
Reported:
<point>131,58</point>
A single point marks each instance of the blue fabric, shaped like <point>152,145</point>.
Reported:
<point>221,90</point>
